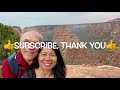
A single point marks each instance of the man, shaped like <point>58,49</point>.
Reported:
<point>26,57</point>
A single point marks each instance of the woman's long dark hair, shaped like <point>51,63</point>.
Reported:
<point>60,69</point>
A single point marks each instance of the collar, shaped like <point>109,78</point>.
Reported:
<point>22,62</point>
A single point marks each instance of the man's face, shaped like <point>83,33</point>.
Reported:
<point>28,53</point>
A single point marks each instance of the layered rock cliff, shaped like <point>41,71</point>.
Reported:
<point>103,31</point>
<point>17,30</point>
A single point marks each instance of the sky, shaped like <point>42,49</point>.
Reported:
<point>26,19</point>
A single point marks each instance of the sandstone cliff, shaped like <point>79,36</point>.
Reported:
<point>103,31</point>
<point>17,30</point>
<point>64,35</point>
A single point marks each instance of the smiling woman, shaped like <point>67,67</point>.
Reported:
<point>49,64</point>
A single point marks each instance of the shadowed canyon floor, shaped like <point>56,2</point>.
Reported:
<point>82,71</point>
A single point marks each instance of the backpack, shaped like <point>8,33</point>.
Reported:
<point>14,66</point>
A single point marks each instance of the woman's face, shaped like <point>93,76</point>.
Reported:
<point>47,59</point>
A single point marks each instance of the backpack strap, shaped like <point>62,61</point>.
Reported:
<point>14,66</point>
<point>12,60</point>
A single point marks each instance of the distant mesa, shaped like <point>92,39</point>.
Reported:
<point>114,20</point>
<point>102,30</point>
<point>17,29</point>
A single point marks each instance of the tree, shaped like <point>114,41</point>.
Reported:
<point>6,33</point>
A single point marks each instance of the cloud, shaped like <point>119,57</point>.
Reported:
<point>24,19</point>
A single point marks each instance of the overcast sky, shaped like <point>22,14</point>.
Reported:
<point>26,19</point>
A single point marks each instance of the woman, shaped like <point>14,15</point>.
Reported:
<point>49,64</point>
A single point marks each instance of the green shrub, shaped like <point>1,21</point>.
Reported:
<point>6,33</point>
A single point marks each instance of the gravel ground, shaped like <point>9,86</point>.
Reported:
<point>82,71</point>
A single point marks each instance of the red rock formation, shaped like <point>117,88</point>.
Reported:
<point>102,29</point>
<point>77,56</point>
<point>64,35</point>
<point>17,30</point>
